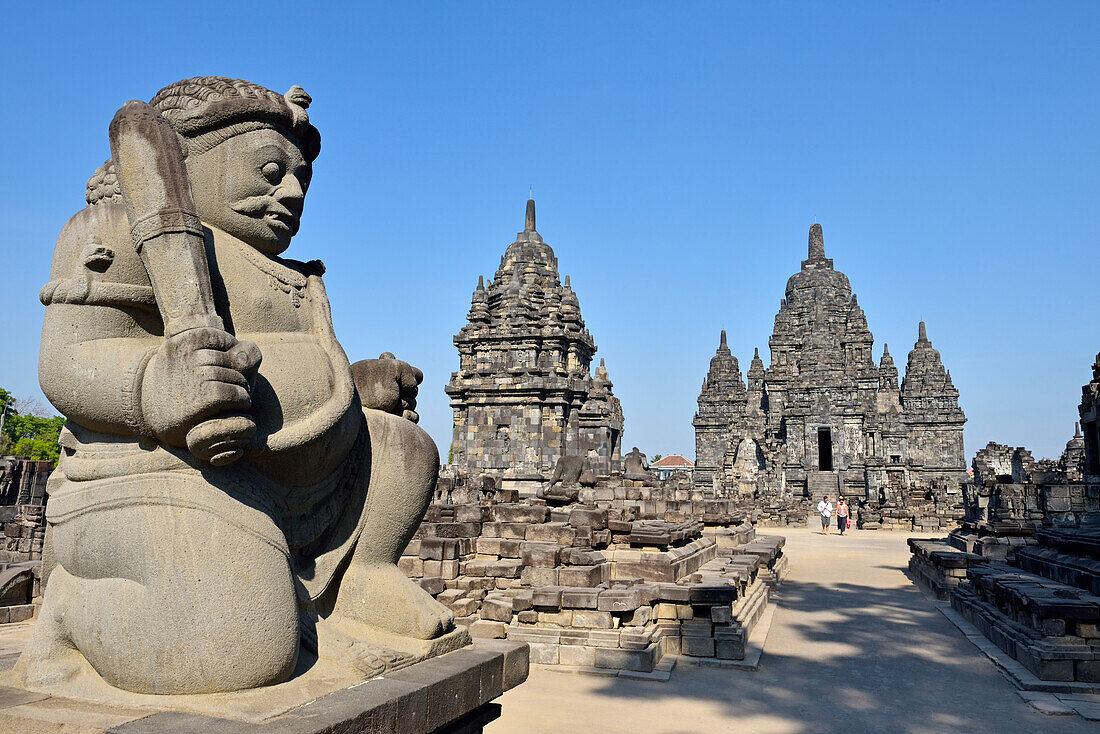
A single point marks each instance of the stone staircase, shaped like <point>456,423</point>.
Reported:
<point>823,483</point>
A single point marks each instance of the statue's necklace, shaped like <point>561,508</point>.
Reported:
<point>280,277</point>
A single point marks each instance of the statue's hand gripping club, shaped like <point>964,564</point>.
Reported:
<point>167,233</point>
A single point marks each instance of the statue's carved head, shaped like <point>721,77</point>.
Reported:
<point>249,154</point>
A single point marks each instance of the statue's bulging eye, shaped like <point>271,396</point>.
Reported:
<point>273,172</point>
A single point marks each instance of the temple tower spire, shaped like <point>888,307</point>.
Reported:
<point>817,243</point>
<point>524,321</point>
<point>529,220</point>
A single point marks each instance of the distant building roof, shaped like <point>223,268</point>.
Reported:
<point>672,461</point>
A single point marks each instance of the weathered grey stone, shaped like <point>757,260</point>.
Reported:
<point>540,555</point>
<point>640,660</point>
<point>580,598</point>
<point>589,619</point>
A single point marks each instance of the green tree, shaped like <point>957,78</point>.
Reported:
<point>657,457</point>
<point>28,434</point>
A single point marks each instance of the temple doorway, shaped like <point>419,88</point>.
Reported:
<point>825,449</point>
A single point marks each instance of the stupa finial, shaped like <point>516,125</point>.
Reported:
<point>817,243</point>
<point>529,222</point>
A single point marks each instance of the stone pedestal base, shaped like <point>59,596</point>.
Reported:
<point>450,694</point>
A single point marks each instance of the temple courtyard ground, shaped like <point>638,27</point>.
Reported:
<point>853,647</point>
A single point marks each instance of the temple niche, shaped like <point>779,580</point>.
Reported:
<point>524,394</point>
<point>823,418</point>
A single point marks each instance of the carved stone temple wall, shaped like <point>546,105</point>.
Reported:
<point>823,418</point>
<point>525,394</point>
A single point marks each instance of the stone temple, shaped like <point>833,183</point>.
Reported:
<point>823,418</point>
<point>524,394</point>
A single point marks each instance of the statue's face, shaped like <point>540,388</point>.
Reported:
<point>252,186</point>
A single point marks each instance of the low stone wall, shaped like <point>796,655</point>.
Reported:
<point>1052,629</point>
<point>925,516</point>
<point>939,566</point>
<point>1039,604</point>
<point>915,516</point>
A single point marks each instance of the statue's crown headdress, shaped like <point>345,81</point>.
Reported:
<point>199,106</point>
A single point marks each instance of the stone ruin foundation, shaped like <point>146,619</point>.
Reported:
<point>625,577</point>
<point>1023,567</point>
<point>22,534</point>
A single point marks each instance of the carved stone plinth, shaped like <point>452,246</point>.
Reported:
<point>450,694</point>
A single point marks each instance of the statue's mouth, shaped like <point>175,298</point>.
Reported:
<point>282,220</point>
<point>271,210</point>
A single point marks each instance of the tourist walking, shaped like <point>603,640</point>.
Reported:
<point>842,515</point>
<point>825,508</point>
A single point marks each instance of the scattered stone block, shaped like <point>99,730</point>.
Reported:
<point>589,619</point>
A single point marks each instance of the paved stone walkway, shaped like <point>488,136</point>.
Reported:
<point>854,647</point>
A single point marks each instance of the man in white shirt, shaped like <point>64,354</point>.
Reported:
<point>825,507</point>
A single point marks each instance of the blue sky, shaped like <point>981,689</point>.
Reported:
<point>678,153</point>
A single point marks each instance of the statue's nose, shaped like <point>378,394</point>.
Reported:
<point>290,193</point>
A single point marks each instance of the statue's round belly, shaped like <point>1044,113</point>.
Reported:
<point>293,396</point>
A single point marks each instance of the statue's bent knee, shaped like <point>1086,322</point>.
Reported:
<point>404,449</point>
<point>217,602</point>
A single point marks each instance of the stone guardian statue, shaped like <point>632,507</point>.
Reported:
<point>232,495</point>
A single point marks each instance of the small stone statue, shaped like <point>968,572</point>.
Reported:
<point>488,487</point>
<point>232,495</point>
<point>573,471</point>
<point>637,467</point>
<point>570,474</point>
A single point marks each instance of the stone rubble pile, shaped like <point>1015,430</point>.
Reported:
<point>915,508</point>
<point>775,512</point>
<point>618,584</point>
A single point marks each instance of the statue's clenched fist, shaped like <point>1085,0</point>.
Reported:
<point>193,377</point>
<point>388,384</point>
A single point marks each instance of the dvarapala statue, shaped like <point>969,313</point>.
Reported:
<point>232,494</point>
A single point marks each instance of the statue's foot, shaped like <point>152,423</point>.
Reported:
<point>49,661</point>
<point>344,647</point>
<point>381,596</point>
